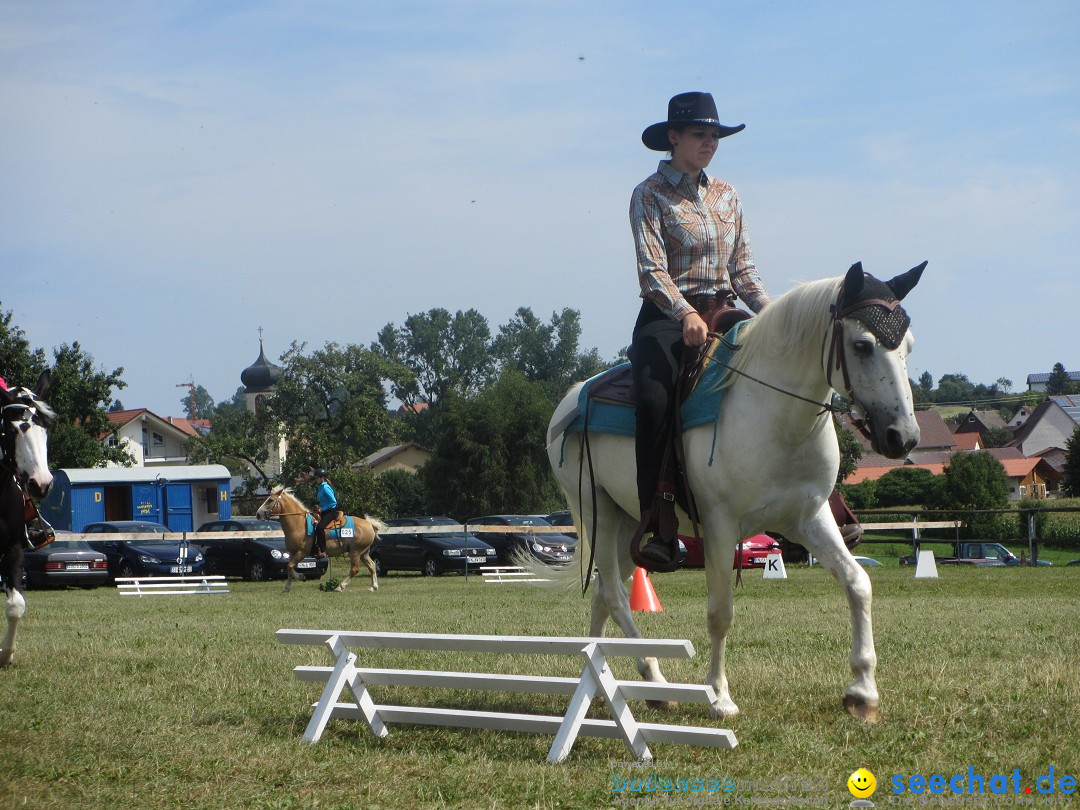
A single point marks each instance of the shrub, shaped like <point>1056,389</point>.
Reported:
<point>905,486</point>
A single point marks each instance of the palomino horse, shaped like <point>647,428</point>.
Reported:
<point>281,503</point>
<point>24,470</point>
<point>769,461</point>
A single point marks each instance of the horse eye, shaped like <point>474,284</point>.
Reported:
<point>863,346</point>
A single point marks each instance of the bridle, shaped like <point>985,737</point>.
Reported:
<point>277,498</point>
<point>888,328</point>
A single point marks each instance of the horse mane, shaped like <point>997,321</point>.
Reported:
<point>789,327</point>
<point>281,489</point>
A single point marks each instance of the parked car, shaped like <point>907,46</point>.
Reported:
<point>867,562</point>
<point>563,517</point>
<point>253,558</point>
<point>754,550</point>
<point>550,548</point>
<point>64,562</point>
<point>140,558</point>
<point>430,553</point>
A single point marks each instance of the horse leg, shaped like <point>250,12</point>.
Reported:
<point>290,569</point>
<point>611,597</point>
<point>720,615</point>
<point>369,564</point>
<point>354,566</point>
<point>16,609</point>
<point>823,540</point>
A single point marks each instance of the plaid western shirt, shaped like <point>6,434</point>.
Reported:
<point>691,241</point>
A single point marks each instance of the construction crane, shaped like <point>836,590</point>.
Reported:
<point>190,386</point>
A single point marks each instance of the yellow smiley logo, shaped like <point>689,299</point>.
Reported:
<point>861,784</point>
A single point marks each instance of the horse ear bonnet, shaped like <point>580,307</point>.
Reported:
<point>877,306</point>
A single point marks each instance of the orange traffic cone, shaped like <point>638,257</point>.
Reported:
<point>642,596</point>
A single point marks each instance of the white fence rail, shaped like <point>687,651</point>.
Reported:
<point>496,574</point>
<point>596,680</point>
<point>171,586</point>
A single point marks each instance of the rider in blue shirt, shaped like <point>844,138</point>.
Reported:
<point>328,506</point>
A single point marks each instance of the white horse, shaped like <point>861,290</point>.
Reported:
<point>24,471</point>
<point>770,461</point>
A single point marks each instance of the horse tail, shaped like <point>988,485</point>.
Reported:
<point>376,524</point>
<point>565,577</point>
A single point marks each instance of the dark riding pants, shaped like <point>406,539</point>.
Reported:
<point>320,529</point>
<point>655,356</point>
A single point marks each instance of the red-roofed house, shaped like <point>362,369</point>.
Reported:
<point>150,440</point>
<point>1029,477</point>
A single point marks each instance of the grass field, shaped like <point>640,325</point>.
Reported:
<point>190,702</point>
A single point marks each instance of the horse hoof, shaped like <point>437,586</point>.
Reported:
<point>727,711</point>
<point>858,707</point>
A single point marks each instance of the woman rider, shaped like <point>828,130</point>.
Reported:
<point>692,256</point>
<point>328,507</point>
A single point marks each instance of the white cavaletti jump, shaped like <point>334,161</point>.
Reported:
<point>596,680</point>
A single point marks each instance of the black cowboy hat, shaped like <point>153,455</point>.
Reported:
<point>683,110</point>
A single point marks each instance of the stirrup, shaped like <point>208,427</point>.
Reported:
<point>647,533</point>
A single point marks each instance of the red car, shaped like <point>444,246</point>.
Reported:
<point>754,551</point>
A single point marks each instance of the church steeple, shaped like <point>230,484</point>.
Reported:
<point>261,375</point>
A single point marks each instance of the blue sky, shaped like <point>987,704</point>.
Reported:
<point>175,175</point>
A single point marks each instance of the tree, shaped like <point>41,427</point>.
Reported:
<point>19,363</point>
<point>80,394</point>
<point>405,493</point>
<point>198,404</point>
<point>238,439</point>
<point>850,451</point>
<point>436,353</point>
<point>954,388</point>
<point>546,353</point>
<point>1005,384</point>
<point>926,384</point>
<point>997,437</point>
<point>975,480</point>
<point>1071,481</point>
<point>332,408</point>
<point>971,481</point>
<point>1059,382</point>
<point>905,486</point>
<point>491,454</point>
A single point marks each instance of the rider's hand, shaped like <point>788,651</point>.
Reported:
<point>694,331</point>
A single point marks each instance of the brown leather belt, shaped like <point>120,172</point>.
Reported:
<point>707,303</point>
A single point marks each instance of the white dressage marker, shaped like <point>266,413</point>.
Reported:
<point>926,567</point>
<point>774,567</point>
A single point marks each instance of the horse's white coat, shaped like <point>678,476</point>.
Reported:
<point>772,469</point>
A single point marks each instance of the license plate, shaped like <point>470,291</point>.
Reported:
<point>306,564</point>
<point>180,569</point>
<point>474,560</point>
<point>78,566</point>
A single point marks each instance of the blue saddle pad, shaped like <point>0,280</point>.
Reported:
<point>333,534</point>
<point>700,408</point>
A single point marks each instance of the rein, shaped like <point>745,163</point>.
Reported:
<point>836,350</point>
<point>825,406</point>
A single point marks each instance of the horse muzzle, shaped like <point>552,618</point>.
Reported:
<point>38,485</point>
<point>895,441</point>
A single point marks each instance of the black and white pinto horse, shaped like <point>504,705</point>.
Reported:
<point>24,467</point>
<point>768,463</point>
